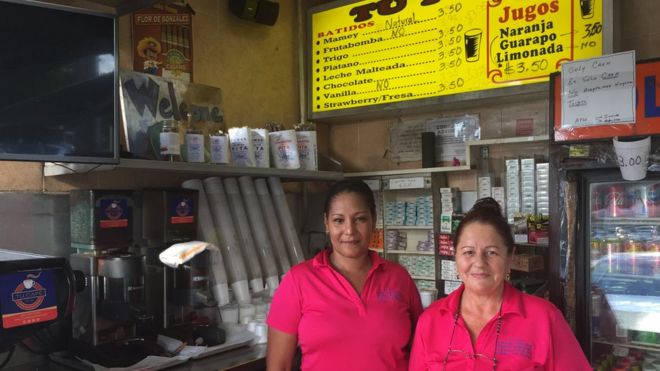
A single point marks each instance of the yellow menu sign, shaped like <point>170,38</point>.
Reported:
<point>378,52</point>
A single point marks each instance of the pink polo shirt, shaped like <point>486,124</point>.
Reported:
<point>337,328</point>
<point>534,336</point>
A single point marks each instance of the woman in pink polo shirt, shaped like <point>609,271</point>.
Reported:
<point>347,308</point>
<point>486,324</point>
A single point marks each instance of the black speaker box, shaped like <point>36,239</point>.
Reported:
<point>260,11</point>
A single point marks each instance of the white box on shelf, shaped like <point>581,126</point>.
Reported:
<point>448,270</point>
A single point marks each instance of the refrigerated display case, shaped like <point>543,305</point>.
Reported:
<point>617,271</point>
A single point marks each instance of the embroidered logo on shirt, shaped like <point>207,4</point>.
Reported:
<point>390,295</point>
<point>514,346</point>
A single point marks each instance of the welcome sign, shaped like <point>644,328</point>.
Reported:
<point>147,100</point>
<point>378,52</point>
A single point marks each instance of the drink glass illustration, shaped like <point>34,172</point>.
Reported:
<point>472,40</point>
<point>587,8</point>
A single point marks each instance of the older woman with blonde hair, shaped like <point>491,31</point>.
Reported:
<point>486,324</point>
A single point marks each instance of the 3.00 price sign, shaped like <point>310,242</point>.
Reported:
<point>378,52</point>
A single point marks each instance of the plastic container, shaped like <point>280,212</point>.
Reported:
<point>170,147</point>
<point>194,145</point>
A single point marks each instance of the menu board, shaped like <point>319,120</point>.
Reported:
<point>370,53</point>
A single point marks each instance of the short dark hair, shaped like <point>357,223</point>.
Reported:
<point>351,185</point>
<point>487,211</point>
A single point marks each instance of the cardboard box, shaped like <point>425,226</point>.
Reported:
<point>527,262</point>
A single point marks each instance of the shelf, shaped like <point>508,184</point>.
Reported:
<point>626,221</point>
<point>527,244</point>
<point>632,344</point>
<point>58,169</point>
<point>411,252</point>
<point>424,171</point>
<point>500,141</point>
<point>426,278</point>
<point>512,140</point>
<point>636,312</point>
<point>447,169</point>
<point>409,227</point>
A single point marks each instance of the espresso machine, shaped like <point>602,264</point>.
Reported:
<point>111,305</point>
<point>179,298</point>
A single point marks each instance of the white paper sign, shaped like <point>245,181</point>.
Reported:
<point>448,270</point>
<point>406,140</point>
<point>598,91</point>
<point>407,183</point>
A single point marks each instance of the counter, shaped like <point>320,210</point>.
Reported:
<point>247,358</point>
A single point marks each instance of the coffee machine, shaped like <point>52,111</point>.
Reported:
<point>177,297</point>
<point>112,303</point>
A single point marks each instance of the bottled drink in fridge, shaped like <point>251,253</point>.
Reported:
<point>615,201</point>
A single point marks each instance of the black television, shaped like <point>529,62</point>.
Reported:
<point>58,83</point>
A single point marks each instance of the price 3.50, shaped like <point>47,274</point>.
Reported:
<point>451,85</point>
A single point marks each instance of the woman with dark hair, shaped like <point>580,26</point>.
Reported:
<point>347,308</point>
<point>486,324</point>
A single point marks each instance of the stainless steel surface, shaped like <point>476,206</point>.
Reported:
<point>250,358</point>
<point>35,222</point>
<point>123,266</point>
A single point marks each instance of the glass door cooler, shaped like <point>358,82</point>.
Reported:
<point>619,273</point>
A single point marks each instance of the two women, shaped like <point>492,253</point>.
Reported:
<point>348,309</point>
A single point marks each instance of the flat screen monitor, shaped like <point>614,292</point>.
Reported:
<point>58,84</point>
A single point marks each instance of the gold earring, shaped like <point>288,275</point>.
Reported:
<point>508,276</point>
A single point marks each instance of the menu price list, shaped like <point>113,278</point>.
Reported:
<point>372,53</point>
<point>376,62</point>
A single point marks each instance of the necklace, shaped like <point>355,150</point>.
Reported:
<point>474,356</point>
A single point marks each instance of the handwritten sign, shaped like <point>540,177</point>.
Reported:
<point>598,91</point>
<point>407,183</point>
<point>647,109</point>
<point>381,52</point>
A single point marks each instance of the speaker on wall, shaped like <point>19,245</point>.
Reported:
<point>260,11</point>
